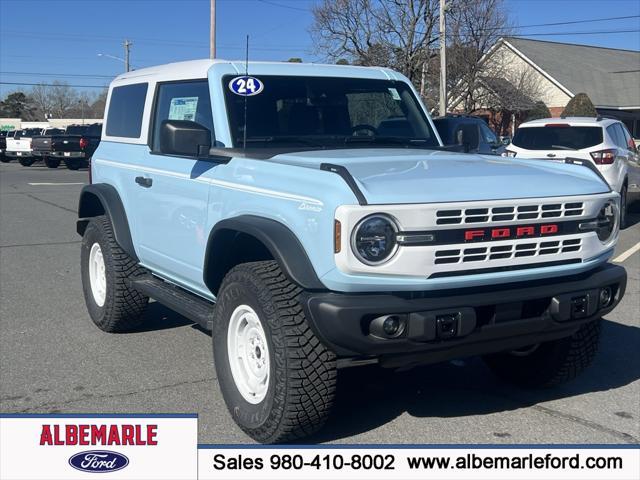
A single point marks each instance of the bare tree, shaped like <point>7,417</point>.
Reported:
<point>393,33</point>
<point>63,99</point>
<point>475,27</point>
<point>41,100</point>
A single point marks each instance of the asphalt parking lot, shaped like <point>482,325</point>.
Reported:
<point>52,358</point>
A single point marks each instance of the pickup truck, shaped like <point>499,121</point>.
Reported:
<point>75,147</point>
<point>41,145</point>
<point>3,144</point>
<point>311,219</point>
<point>19,146</point>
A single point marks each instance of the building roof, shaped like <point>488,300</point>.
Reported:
<point>610,77</point>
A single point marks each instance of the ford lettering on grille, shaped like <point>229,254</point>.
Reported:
<point>506,233</point>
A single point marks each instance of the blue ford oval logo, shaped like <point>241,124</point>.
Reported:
<point>246,86</point>
<point>98,461</point>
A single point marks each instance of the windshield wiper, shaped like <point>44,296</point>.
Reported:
<point>281,139</point>
<point>408,141</point>
<point>561,147</point>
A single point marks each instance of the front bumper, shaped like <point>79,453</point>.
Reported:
<point>489,319</point>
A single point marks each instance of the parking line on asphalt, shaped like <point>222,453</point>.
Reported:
<point>624,255</point>
<point>54,183</point>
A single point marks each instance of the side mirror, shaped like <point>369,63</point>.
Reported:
<point>506,140</point>
<point>468,136</point>
<point>184,137</point>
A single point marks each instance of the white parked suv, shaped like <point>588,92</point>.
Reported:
<point>604,141</point>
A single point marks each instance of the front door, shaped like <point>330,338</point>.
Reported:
<point>172,192</point>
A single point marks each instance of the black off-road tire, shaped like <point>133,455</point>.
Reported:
<point>551,363</point>
<point>302,378</point>
<point>52,162</point>
<point>4,159</point>
<point>27,161</point>
<point>123,307</point>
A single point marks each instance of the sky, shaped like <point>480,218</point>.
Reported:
<point>48,40</point>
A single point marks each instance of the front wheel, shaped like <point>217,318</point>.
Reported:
<point>551,363</point>
<point>277,379</point>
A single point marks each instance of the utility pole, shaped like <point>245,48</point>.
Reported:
<point>443,60</point>
<point>212,31</point>
<point>127,45</point>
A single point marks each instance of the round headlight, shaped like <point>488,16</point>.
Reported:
<point>374,239</point>
<point>607,221</point>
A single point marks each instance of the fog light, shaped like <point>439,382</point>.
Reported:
<point>391,326</point>
<point>605,297</point>
<point>388,326</point>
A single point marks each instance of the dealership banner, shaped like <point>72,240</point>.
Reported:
<point>70,446</point>
<point>67,447</point>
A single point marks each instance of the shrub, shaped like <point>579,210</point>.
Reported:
<point>580,106</point>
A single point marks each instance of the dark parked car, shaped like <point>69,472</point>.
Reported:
<point>76,146</point>
<point>41,146</point>
<point>472,133</point>
<point>3,145</point>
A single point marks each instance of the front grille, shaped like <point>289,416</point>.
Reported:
<point>509,214</point>
<point>503,252</point>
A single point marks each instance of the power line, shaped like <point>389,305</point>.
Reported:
<point>52,85</point>
<point>48,74</point>
<point>267,2</point>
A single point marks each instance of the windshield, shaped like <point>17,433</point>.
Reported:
<point>557,137</point>
<point>29,132</point>
<point>326,112</point>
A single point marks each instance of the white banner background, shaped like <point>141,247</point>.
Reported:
<point>22,457</point>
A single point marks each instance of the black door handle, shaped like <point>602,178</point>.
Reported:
<point>144,181</point>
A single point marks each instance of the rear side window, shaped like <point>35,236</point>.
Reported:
<point>617,135</point>
<point>182,101</point>
<point>126,107</point>
<point>557,137</point>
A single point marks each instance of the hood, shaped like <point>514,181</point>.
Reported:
<point>388,176</point>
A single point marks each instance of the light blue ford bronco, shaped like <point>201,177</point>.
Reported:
<point>309,217</point>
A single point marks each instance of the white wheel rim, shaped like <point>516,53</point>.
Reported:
<point>97,275</point>
<point>248,354</point>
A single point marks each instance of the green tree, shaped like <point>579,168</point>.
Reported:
<point>295,60</point>
<point>539,110</point>
<point>580,106</point>
<point>342,61</point>
<point>17,105</point>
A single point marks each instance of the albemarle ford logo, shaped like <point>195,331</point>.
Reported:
<point>99,461</point>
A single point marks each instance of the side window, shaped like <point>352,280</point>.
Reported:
<point>182,101</point>
<point>628,141</point>
<point>487,134</point>
<point>614,134</point>
<point>124,118</point>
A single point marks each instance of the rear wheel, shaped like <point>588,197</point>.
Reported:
<point>27,161</point>
<point>277,379</point>
<point>113,305</point>
<point>75,164</point>
<point>4,159</point>
<point>52,162</point>
<point>551,363</point>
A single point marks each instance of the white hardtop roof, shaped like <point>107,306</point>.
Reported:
<point>573,121</point>
<point>200,68</point>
